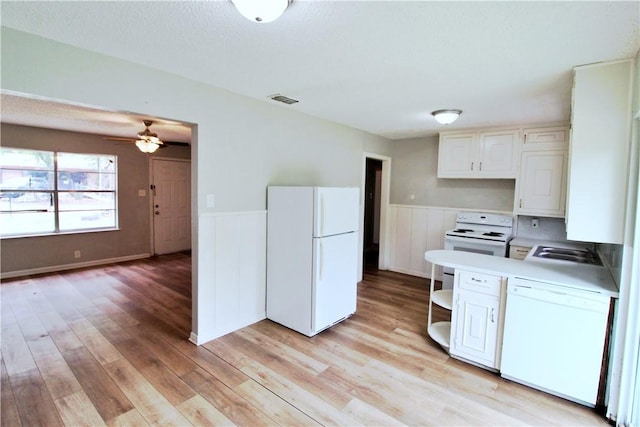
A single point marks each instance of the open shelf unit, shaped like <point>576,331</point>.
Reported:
<point>440,332</point>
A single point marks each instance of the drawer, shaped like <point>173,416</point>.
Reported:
<point>479,282</point>
<point>518,252</point>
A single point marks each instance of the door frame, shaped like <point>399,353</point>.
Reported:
<point>384,207</point>
<point>152,237</point>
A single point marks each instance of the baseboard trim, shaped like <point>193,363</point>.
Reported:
<point>194,338</point>
<point>54,268</point>
<point>413,273</point>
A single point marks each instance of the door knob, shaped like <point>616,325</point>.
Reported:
<point>157,212</point>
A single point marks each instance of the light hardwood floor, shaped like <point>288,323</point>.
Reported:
<point>108,346</point>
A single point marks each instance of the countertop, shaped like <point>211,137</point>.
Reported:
<point>529,242</point>
<point>584,277</point>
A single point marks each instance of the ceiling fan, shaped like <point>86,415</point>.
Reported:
<point>147,141</point>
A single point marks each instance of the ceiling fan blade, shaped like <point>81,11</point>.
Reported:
<point>177,143</point>
<point>132,140</point>
<point>116,138</point>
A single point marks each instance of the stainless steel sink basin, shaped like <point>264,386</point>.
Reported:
<point>563,251</point>
<point>581,256</point>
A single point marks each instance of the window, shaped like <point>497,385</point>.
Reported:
<point>45,192</point>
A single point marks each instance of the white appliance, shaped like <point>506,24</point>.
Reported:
<point>478,232</point>
<point>554,339</point>
<point>312,256</point>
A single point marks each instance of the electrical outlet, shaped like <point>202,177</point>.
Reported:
<point>535,223</point>
<point>76,254</point>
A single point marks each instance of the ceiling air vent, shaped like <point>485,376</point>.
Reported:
<point>283,99</point>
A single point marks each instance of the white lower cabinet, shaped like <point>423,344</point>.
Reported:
<point>477,318</point>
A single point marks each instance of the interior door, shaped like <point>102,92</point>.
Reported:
<point>171,205</point>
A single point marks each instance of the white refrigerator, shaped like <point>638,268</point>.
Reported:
<point>312,256</point>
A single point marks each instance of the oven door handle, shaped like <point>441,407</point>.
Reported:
<point>473,240</point>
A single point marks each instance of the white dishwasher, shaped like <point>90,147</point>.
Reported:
<point>554,339</point>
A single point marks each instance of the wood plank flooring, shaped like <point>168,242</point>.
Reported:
<point>108,346</point>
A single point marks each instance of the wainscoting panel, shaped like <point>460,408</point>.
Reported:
<point>415,230</point>
<point>231,272</point>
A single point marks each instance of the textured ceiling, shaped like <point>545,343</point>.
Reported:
<point>379,66</point>
<point>38,112</point>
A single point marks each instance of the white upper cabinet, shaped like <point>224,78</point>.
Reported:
<point>542,185</point>
<point>599,152</point>
<point>479,154</point>
<point>546,138</point>
<point>499,153</point>
<point>457,154</point>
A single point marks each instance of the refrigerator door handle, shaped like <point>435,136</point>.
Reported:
<point>321,231</point>
<point>321,263</point>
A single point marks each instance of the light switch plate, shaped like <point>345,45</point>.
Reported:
<point>142,193</point>
<point>211,201</point>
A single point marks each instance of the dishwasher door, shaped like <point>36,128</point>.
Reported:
<point>554,339</point>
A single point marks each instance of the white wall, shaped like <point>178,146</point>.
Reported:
<point>414,181</point>
<point>130,241</point>
<point>239,145</point>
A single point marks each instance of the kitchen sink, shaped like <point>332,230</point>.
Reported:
<point>581,256</point>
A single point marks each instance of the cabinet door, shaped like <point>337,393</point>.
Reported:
<point>474,327</point>
<point>457,156</point>
<point>547,138</point>
<point>499,153</point>
<point>542,183</point>
<point>600,142</point>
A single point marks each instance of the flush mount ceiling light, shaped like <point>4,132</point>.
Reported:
<point>261,11</point>
<point>148,142</point>
<point>446,117</point>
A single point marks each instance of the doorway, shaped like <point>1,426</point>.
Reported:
<point>171,210</point>
<point>372,202</point>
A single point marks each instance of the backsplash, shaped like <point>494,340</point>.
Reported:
<point>612,257</point>
<point>548,228</point>
<point>555,229</point>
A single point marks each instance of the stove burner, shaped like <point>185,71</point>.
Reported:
<point>462,230</point>
<point>493,234</point>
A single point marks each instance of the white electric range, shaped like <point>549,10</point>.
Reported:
<point>478,232</point>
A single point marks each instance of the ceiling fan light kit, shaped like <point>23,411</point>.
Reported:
<point>147,146</point>
<point>446,117</point>
<point>261,11</point>
<point>148,141</point>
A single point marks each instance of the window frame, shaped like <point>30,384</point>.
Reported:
<point>56,191</point>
